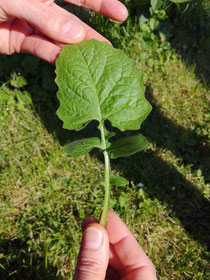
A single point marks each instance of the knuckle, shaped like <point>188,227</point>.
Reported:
<point>45,16</point>
<point>36,46</point>
<point>88,266</point>
<point>51,22</point>
<point>89,4</point>
<point>82,2</point>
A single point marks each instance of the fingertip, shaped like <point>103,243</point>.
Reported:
<point>87,221</point>
<point>99,228</point>
<point>73,32</point>
<point>96,232</point>
<point>114,10</point>
<point>93,238</point>
<point>123,12</point>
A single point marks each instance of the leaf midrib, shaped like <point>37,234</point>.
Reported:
<point>94,86</point>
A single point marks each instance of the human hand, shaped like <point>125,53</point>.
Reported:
<point>111,253</point>
<point>41,27</point>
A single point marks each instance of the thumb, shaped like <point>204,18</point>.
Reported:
<point>94,254</point>
<point>46,18</point>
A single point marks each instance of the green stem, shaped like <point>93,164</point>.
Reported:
<point>107,189</point>
<point>106,175</point>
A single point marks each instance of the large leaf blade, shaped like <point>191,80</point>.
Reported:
<point>98,82</point>
<point>127,146</point>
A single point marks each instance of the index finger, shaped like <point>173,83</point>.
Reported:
<point>90,32</point>
<point>127,252</point>
<point>113,9</point>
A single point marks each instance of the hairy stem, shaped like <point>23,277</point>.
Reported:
<point>107,189</point>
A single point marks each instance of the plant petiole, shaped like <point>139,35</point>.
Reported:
<point>103,218</point>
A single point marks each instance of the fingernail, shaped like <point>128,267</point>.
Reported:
<point>93,238</point>
<point>72,30</point>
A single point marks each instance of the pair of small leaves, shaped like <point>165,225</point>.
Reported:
<point>122,147</point>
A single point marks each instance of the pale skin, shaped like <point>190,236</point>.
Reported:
<point>42,28</point>
<point>111,253</point>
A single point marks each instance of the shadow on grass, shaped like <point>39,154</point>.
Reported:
<point>185,144</point>
<point>168,185</point>
<point>21,264</point>
<point>191,40</point>
<point>162,180</point>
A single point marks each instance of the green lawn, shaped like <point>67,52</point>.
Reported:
<point>45,194</point>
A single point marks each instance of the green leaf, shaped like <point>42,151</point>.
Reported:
<point>118,181</point>
<point>23,97</point>
<point>99,182</point>
<point>127,146</point>
<point>154,24</point>
<point>3,96</point>
<point>18,82</point>
<point>115,180</point>
<point>144,27</point>
<point>156,4</point>
<point>98,82</point>
<point>81,146</point>
<point>6,90</point>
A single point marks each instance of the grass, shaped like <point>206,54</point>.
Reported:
<point>45,194</point>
